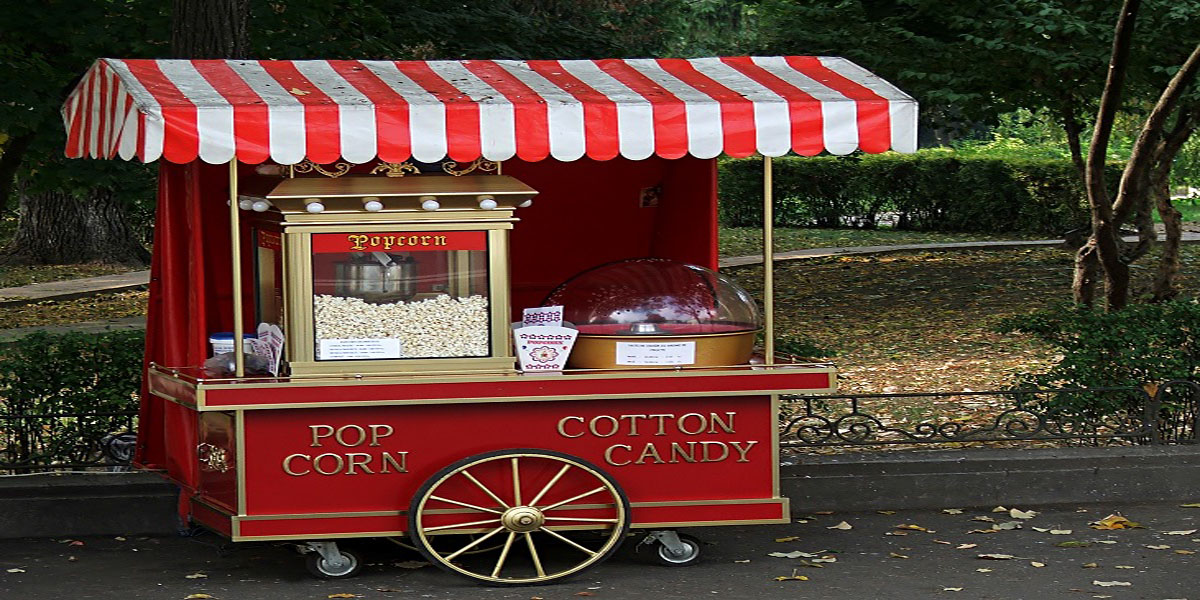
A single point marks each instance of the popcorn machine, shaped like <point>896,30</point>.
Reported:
<point>389,403</point>
<point>370,274</point>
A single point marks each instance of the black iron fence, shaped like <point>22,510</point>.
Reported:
<point>1169,413</point>
<point>84,440</point>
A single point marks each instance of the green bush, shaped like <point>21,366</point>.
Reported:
<point>932,190</point>
<point>43,374</point>
<point>1142,345</point>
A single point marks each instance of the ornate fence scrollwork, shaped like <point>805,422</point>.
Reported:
<point>1169,413</point>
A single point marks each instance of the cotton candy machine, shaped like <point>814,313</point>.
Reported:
<point>657,312</point>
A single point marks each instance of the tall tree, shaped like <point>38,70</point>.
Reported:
<point>69,211</point>
<point>209,28</point>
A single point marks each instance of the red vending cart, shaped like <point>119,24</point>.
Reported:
<point>379,227</point>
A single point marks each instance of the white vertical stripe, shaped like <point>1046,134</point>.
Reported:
<point>214,114</point>
<point>497,123</point>
<point>635,114</point>
<point>564,111</point>
<point>426,114</point>
<point>902,108</point>
<point>705,135</point>
<point>772,120</point>
<point>129,134</point>
<point>285,114</point>
<point>356,113</point>
<point>146,103</point>
<point>70,114</point>
<point>839,114</point>
<point>110,111</point>
<point>94,105</point>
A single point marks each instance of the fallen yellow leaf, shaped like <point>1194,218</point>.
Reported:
<point>1185,552</point>
<point>1017,513</point>
<point>1111,583</point>
<point>199,597</point>
<point>16,571</point>
<point>843,526</point>
<point>196,576</point>
<point>984,518</point>
<point>999,509</point>
<point>886,512</point>
<point>742,561</point>
<point>1159,547</point>
<point>300,92</point>
<point>995,556</point>
<point>983,570</point>
<point>1114,522</point>
<point>895,555</point>
<point>914,528</point>
<point>946,589</point>
<point>1192,505</point>
<point>792,577</point>
<point>965,546</point>
<point>953,511</point>
<point>790,538</point>
<point>943,542</point>
<point>1184,532</point>
<point>1037,564</point>
<point>1123,567</point>
<point>1090,565</point>
<point>343,595</point>
<point>823,512</point>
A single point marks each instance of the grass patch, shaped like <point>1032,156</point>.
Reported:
<point>15,276</point>
<point>739,241</point>
<point>93,308</point>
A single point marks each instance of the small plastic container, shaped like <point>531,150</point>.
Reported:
<point>222,342</point>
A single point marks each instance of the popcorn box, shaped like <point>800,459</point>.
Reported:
<point>542,348</point>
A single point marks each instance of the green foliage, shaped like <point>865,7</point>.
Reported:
<point>66,373</point>
<point>1140,345</point>
<point>932,190</point>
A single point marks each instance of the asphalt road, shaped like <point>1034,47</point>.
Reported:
<point>870,563</point>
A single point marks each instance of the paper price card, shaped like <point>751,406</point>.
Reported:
<point>355,349</point>
<point>549,316</point>
<point>656,353</point>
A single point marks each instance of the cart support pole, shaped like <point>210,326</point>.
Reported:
<point>768,263</point>
<point>239,352</point>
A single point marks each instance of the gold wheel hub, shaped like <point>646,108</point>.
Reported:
<point>522,519</point>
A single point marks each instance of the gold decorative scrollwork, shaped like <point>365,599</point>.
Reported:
<point>308,166</point>
<point>213,458</point>
<point>391,169</point>
<point>489,166</point>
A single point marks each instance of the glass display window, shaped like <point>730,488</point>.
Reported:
<point>400,295</point>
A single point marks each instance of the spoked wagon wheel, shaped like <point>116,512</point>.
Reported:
<point>552,514</point>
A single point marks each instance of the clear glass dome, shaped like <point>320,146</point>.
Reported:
<point>654,296</point>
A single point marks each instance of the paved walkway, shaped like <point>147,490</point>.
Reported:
<point>739,261</point>
<point>902,555</point>
<point>73,288</point>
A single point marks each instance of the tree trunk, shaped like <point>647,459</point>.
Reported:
<point>210,28</point>
<point>58,228</point>
<point>1168,264</point>
<point>1087,270</point>
<point>1072,127</point>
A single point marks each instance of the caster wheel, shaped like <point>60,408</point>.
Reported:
<point>549,515</point>
<point>658,552</point>
<point>322,569</point>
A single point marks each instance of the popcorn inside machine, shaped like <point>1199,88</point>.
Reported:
<point>372,274</point>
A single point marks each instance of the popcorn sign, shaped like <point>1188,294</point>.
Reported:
<point>542,348</point>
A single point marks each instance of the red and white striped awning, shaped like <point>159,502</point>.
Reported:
<point>326,110</point>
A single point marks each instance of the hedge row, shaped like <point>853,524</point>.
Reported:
<point>926,191</point>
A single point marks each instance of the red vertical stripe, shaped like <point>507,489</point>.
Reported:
<point>181,142</point>
<point>251,131</point>
<point>737,113</point>
<point>670,116</point>
<point>599,113</point>
<point>86,113</point>
<point>393,139</point>
<point>531,117</point>
<point>874,120</point>
<point>75,118</point>
<point>322,128</point>
<point>808,138</point>
<point>115,116</point>
<point>462,113</point>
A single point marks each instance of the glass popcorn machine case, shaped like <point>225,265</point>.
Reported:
<point>370,274</point>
